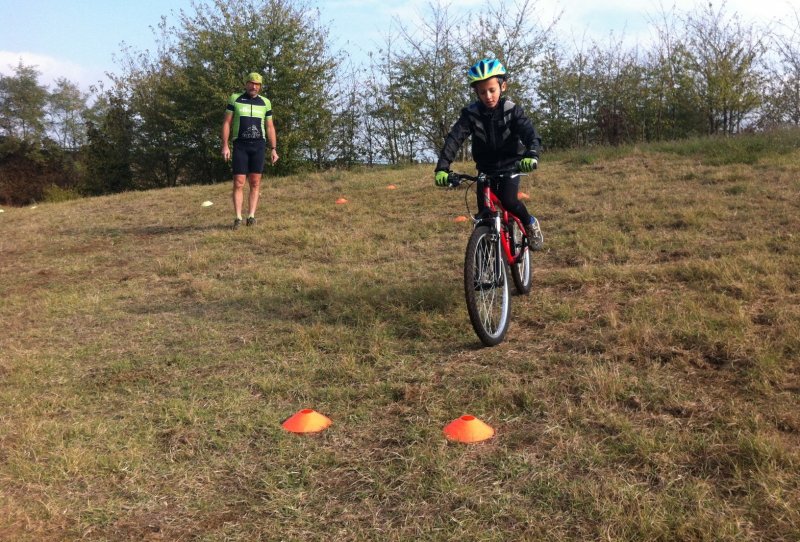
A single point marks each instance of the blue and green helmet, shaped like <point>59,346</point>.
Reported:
<point>486,69</point>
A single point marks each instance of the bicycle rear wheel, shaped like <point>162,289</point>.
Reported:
<point>520,271</point>
<point>486,286</point>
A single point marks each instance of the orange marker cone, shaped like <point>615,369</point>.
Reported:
<point>340,201</point>
<point>461,218</point>
<point>523,195</point>
<point>391,187</point>
<point>468,429</point>
<point>306,421</point>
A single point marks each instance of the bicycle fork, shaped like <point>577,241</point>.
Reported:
<point>497,243</point>
<point>491,264</point>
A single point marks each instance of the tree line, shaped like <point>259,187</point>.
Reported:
<point>706,72</point>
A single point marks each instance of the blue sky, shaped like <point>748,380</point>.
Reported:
<point>81,43</point>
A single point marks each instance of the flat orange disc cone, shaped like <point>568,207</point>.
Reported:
<point>341,201</point>
<point>468,429</point>
<point>523,195</point>
<point>306,421</point>
<point>461,218</point>
<point>391,187</point>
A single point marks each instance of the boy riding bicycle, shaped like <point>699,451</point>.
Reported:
<point>503,139</point>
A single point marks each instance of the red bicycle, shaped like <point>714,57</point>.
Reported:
<point>498,242</point>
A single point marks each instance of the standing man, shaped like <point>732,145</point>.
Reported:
<point>249,117</point>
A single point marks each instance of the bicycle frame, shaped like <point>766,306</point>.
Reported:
<point>495,256</point>
<point>502,219</point>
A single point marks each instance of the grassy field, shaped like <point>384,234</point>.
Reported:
<point>648,389</point>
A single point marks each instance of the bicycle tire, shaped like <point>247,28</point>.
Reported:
<point>521,271</point>
<point>486,286</point>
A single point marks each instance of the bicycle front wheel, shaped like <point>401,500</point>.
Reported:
<point>486,286</point>
<point>520,271</point>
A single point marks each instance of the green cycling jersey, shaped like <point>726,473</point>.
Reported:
<point>249,115</point>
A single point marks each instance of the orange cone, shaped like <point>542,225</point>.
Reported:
<point>461,218</point>
<point>340,201</point>
<point>391,187</point>
<point>523,195</point>
<point>306,421</point>
<point>468,429</point>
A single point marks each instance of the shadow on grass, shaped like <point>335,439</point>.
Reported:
<point>146,231</point>
<point>400,311</point>
<point>139,231</point>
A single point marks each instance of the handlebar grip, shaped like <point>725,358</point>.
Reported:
<point>453,180</point>
<point>518,165</point>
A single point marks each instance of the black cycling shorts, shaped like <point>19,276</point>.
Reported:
<point>507,190</point>
<point>248,156</point>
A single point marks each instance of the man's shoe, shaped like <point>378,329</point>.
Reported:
<point>251,221</point>
<point>534,232</point>
<point>237,223</point>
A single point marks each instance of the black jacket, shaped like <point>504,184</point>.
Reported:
<point>500,137</point>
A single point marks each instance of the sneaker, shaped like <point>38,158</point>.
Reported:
<point>237,223</point>
<point>535,237</point>
<point>251,221</point>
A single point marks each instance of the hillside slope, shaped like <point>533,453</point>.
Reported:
<point>649,387</point>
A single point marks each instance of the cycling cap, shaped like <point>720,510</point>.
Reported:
<point>486,69</point>
<point>255,78</point>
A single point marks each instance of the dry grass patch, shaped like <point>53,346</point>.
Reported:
<point>648,388</point>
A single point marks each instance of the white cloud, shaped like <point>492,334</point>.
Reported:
<point>50,68</point>
<point>763,12</point>
<point>582,21</point>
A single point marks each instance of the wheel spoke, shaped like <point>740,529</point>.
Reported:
<point>520,271</point>
<point>488,280</point>
<point>486,286</point>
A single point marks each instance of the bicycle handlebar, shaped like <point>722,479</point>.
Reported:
<point>455,179</point>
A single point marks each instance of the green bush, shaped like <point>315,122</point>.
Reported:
<point>738,149</point>
<point>54,194</point>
